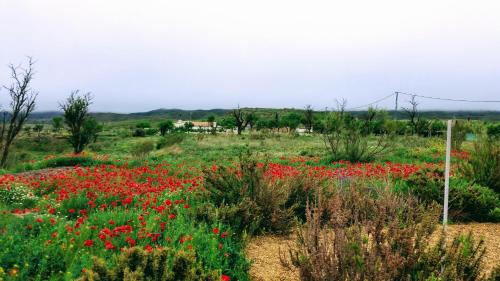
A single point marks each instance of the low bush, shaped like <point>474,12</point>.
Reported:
<point>151,132</point>
<point>467,201</point>
<point>249,201</point>
<point>483,165</point>
<point>169,140</point>
<point>361,233</point>
<point>139,133</point>
<point>142,149</point>
<point>163,264</point>
<point>63,161</point>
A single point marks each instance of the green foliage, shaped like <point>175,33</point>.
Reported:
<point>188,126</point>
<point>291,120</point>
<point>57,123</point>
<point>169,140</point>
<point>468,202</point>
<point>151,132</point>
<point>346,138</point>
<point>483,165</point>
<point>164,264</point>
<point>460,260</point>
<point>64,161</point>
<point>493,130</point>
<point>143,148</point>
<point>166,126</point>
<point>459,132</point>
<point>38,128</point>
<point>139,133</point>
<point>248,201</point>
<point>143,125</point>
<point>82,127</point>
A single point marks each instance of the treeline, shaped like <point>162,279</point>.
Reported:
<point>180,114</point>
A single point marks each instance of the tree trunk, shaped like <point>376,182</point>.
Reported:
<point>5,154</point>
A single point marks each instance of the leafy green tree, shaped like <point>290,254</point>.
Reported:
<point>291,120</point>
<point>82,127</point>
<point>188,126</point>
<point>251,119</point>
<point>166,126</point>
<point>308,119</point>
<point>228,122</point>
<point>38,128</point>
<point>143,125</point>
<point>57,123</point>
<point>211,120</point>
<point>92,128</point>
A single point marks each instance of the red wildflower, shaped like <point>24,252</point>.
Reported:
<point>225,278</point>
<point>88,243</point>
<point>130,241</point>
<point>109,245</point>
<point>215,230</point>
<point>171,216</point>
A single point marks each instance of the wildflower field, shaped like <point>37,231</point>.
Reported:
<point>123,218</point>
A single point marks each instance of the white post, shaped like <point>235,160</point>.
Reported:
<point>447,174</point>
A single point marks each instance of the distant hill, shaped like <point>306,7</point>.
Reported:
<point>200,114</point>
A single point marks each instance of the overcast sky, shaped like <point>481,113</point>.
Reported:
<point>143,55</point>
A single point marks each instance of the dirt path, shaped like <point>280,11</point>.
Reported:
<point>265,251</point>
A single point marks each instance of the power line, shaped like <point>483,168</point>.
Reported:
<point>448,99</point>
<point>372,103</point>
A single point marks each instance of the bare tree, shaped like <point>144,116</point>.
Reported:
<point>341,106</point>
<point>412,113</point>
<point>308,118</point>
<point>22,104</point>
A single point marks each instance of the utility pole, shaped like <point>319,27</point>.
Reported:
<point>396,108</point>
<point>447,174</point>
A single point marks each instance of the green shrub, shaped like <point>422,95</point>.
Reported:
<point>346,138</point>
<point>483,166</point>
<point>459,132</point>
<point>143,125</point>
<point>160,265</point>
<point>169,140</point>
<point>142,149</point>
<point>139,133</point>
<point>493,130</point>
<point>460,260</point>
<point>467,201</point>
<point>151,132</point>
<point>247,200</point>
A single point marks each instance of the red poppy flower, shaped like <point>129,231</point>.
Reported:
<point>215,230</point>
<point>109,245</point>
<point>130,241</point>
<point>225,278</point>
<point>88,243</point>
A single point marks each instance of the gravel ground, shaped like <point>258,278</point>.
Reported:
<point>265,251</point>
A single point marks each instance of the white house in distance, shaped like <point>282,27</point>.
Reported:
<point>197,125</point>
